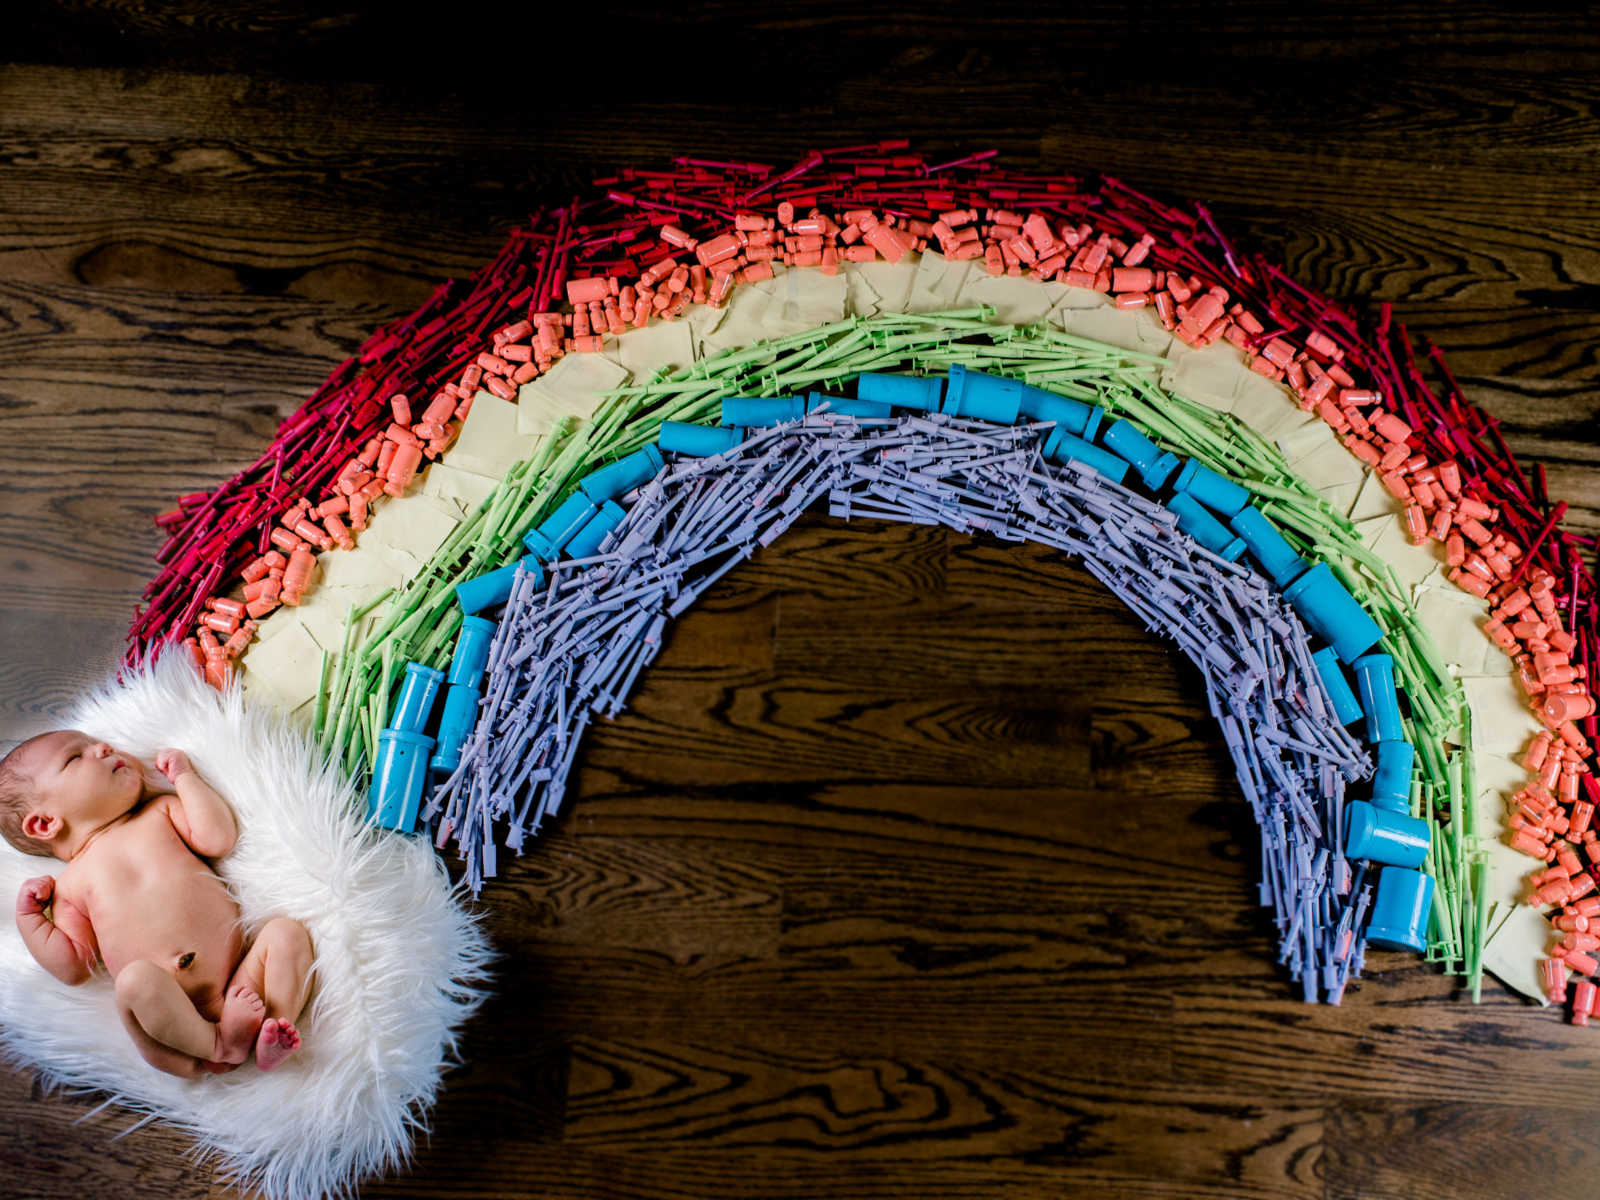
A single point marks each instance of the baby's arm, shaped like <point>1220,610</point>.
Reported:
<point>201,817</point>
<point>52,946</point>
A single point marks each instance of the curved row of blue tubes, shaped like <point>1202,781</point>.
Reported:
<point>1381,830</point>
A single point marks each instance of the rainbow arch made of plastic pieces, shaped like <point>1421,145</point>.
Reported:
<point>585,549</point>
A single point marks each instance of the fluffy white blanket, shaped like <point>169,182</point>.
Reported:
<point>400,961</point>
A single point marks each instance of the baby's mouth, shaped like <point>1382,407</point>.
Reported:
<point>119,766</point>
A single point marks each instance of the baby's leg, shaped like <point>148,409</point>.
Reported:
<point>175,1036</point>
<point>278,966</point>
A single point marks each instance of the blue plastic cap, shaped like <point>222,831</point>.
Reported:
<point>1394,839</point>
<point>1091,423</point>
<point>1391,782</point>
<point>1400,909</point>
<point>1345,705</point>
<point>1267,546</point>
<point>1062,447</point>
<point>1217,492</point>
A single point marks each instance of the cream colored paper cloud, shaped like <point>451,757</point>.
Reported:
<point>937,283</point>
<point>491,440</point>
<point>570,388</point>
<point>459,491</point>
<point>288,669</point>
<point>1016,300</point>
<point>669,345</point>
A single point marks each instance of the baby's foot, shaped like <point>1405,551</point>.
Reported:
<point>278,1040</point>
<point>242,1014</point>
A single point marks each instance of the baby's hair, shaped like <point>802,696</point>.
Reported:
<point>16,797</point>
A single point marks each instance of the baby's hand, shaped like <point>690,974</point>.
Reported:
<point>173,763</point>
<point>35,894</point>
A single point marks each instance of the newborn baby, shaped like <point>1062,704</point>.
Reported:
<point>137,895</point>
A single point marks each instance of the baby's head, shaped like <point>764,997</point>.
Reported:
<point>59,788</point>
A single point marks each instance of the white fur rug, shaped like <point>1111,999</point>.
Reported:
<point>400,962</point>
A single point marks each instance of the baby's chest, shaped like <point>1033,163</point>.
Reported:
<point>141,852</point>
<point>148,882</point>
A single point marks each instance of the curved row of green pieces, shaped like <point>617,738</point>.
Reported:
<point>419,621</point>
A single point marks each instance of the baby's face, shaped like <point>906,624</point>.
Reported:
<point>85,783</point>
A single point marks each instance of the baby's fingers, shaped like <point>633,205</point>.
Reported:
<point>36,892</point>
<point>172,763</point>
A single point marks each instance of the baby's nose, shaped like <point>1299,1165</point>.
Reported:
<point>102,749</point>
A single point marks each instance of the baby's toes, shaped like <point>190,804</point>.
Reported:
<point>278,1039</point>
<point>243,995</point>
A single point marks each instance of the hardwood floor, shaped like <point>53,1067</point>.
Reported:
<point>915,868</point>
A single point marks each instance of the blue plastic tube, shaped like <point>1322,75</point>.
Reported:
<point>1400,910</point>
<point>1267,546</point>
<point>1062,447</point>
<point>1323,604</point>
<point>981,397</point>
<point>752,411</point>
<point>1345,705</point>
<point>556,530</point>
<point>1375,679</point>
<point>400,770</point>
<point>1394,839</point>
<point>460,714</point>
<point>848,406</point>
<point>417,693</point>
<point>613,479</point>
<point>494,587</point>
<point>471,653</point>
<point>586,542</point>
<point>1195,520</point>
<point>1391,782</point>
<point>1221,495</point>
<point>1040,405</point>
<point>700,441</point>
<point>902,391</point>
<point>1154,465</point>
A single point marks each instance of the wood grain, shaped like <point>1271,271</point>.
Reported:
<point>915,867</point>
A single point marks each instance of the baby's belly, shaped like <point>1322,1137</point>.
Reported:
<point>186,924</point>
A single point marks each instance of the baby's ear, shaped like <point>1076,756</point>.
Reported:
<point>40,827</point>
